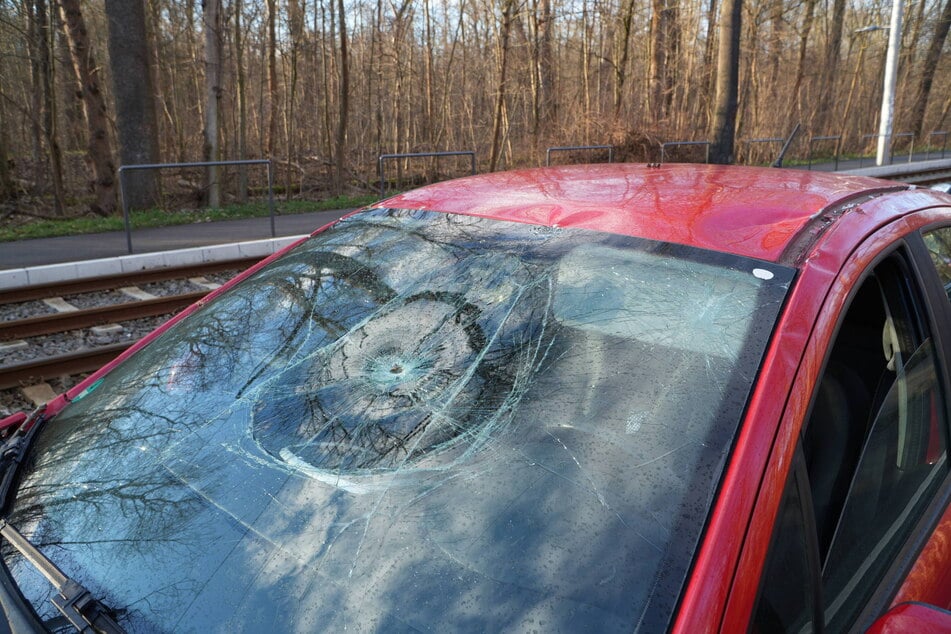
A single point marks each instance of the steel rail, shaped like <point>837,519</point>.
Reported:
<point>37,370</point>
<point>61,322</point>
<point>88,285</point>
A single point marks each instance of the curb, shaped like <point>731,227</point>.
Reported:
<point>67,271</point>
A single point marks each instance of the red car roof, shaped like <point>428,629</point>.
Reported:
<point>744,210</point>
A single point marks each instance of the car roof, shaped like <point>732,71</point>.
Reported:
<point>751,211</point>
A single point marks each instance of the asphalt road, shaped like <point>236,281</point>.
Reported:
<point>27,253</point>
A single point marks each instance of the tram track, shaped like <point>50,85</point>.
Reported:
<point>46,338</point>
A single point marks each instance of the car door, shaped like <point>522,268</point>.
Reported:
<point>867,493</point>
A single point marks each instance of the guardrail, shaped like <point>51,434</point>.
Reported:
<point>911,145</point>
<point>891,157</point>
<point>944,143</point>
<point>835,157</point>
<point>664,146</point>
<point>750,142</point>
<point>387,157</point>
<point>571,148</point>
<point>128,168</point>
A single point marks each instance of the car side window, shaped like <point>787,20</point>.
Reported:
<point>938,242</point>
<point>789,603</point>
<point>874,445</point>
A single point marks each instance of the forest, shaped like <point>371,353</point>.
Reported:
<point>322,88</point>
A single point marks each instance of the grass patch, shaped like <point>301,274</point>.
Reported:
<point>162,218</point>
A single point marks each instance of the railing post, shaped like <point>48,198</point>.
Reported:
<point>568,148</point>
<point>125,210</point>
<point>384,157</point>
<point>270,195</point>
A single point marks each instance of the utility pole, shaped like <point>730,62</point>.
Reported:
<point>884,155</point>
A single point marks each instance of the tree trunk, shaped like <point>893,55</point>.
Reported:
<point>507,11</point>
<point>48,104</point>
<point>344,104</point>
<point>928,70</point>
<point>830,68</point>
<point>211,23</point>
<point>728,73</point>
<point>242,99</point>
<point>272,76</point>
<point>99,145</point>
<point>795,102</point>
<point>547,104</point>
<point>135,107</point>
<point>7,191</point>
<point>70,86</point>
<point>709,68</point>
<point>658,61</point>
<point>295,19</point>
<point>623,47</point>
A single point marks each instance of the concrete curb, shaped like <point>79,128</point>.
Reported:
<point>897,170</point>
<point>52,273</point>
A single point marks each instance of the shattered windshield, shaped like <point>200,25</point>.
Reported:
<point>412,421</point>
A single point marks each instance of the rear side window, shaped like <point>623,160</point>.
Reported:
<point>939,246</point>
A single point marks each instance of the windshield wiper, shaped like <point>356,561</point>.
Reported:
<point>74,601</point>
<point>14,450</point>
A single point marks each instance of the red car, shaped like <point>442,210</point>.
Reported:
<point>595,398</point>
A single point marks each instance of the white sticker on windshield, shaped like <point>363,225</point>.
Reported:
<point>762,274</point>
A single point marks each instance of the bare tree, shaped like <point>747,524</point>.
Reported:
<point>211,23</point>
<point>728,70</point>
<point>272,88</point>
<point>829,70</point>
<point>508,11</point>
<point>241,89</point>
<point>663,47</point>
<point>43,85</point>
<point>928,70</point>
<point>135,107</point>
<point>99,144</point>
<point>340,158</point>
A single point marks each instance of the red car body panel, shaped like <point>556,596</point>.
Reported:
<point>744,210</point>
<point>912,618</point>
<point>810,220</point>
<point>930,579</point>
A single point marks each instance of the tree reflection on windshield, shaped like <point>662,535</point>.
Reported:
<point>412,421</point>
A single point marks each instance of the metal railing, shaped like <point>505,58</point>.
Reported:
<point>944,143</point>
<point>386,157</point>
<point>865,140</point>
<point>128,168</point>
<point>911,146</point>
<point>891,157</point>
<point>664,146</point>
<point>820,139</point>
<point>571,148</point>
<point>751,142</point>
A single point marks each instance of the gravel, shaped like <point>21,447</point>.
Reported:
<point>95,300</point>
<point>222,277</point>
<point>25,310</point>
<point>169,287</point>
<point>12,400</point>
